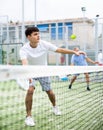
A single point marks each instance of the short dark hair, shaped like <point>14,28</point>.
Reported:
<point>30,30</point>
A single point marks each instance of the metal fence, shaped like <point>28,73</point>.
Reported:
<point>89,38</point>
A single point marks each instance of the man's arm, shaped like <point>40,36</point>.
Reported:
<point>24,62</point>
<point>66,51</point>
<point>91,61</point>
<point>71,64</point>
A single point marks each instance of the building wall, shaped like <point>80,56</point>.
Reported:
<point>85,35</point>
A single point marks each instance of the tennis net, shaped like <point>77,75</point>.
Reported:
<point>81,109</point>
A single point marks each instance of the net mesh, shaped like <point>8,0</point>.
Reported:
<point>81,109</point>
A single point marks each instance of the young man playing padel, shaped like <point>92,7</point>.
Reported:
<point>34,52</point>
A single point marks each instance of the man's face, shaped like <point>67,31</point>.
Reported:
<point>76,49</point>
<point>34,37</point>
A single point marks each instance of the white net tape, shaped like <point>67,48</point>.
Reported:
<point>8,72</point>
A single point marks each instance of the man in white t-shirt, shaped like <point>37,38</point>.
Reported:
<point>100,58</point>
<point>35,53</point>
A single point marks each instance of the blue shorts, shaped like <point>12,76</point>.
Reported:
<point>45,82</point>
<point>79,74</point>
<point>76,74</point>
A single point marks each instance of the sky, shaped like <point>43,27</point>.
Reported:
<point>49,9</point>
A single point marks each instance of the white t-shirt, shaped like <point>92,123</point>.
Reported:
<point>100,58</point>
<point>38,55</point>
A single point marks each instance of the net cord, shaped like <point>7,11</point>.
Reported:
<point>9,72</point>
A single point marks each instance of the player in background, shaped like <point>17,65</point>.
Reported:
<point>100,58</point>
<point>34,52</point>
<point>80,60</point>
